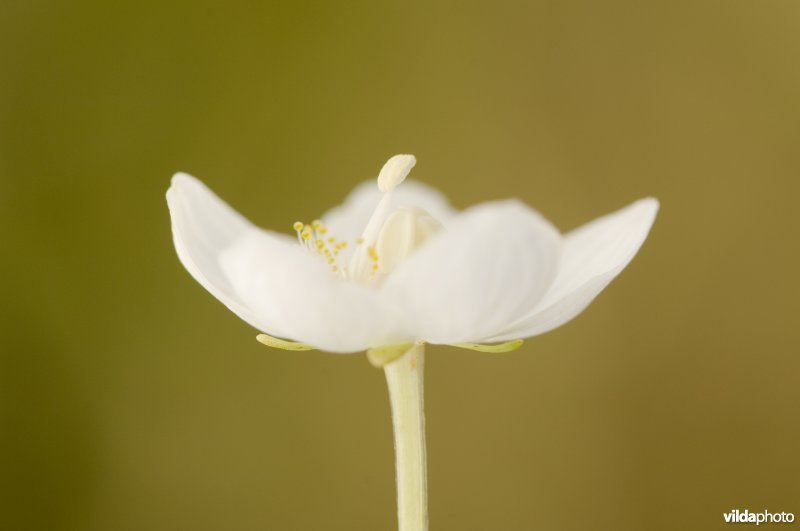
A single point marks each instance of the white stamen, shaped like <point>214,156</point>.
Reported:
<point>395,171</point>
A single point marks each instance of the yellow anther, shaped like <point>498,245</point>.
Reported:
<point>341,245</point>
<point>298,226</point>
<point>320,244</point>
<point>331,239</point>
<point>373,254</point>
<point>360,240</point>
<point>319,227</point>
<point>306,233</point>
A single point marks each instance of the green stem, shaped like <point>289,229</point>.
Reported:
<point>405,379</point>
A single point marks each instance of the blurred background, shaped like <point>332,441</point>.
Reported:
<point>130,399</point>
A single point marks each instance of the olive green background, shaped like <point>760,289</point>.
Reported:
<point>130,399</point>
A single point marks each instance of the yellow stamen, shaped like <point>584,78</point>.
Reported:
<point>319,226</point>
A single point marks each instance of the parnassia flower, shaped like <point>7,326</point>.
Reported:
<point>396,264</point>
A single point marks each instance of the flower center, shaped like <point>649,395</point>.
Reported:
<point>389,237</point>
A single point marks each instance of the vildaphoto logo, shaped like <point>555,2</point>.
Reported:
<point>746,517</point>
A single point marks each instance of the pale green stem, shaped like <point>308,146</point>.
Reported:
<point>405,379</point>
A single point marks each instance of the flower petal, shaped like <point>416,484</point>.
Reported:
<point>203,226</point>
<point>347,221</point>
<point>593,255</point>
<point>286,285</point>
<point>492,263</point>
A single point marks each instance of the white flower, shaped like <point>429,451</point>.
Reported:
<point>396,264</point>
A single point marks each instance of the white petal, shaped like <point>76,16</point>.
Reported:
<point>348,220</point>
<point>288,286</point>
<point>203,226</point>
<point>492,263</point>
<point>593,255</point>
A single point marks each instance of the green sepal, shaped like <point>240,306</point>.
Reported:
<point>282,343</point>
<point>380,356</point>
<point>508,346</point>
